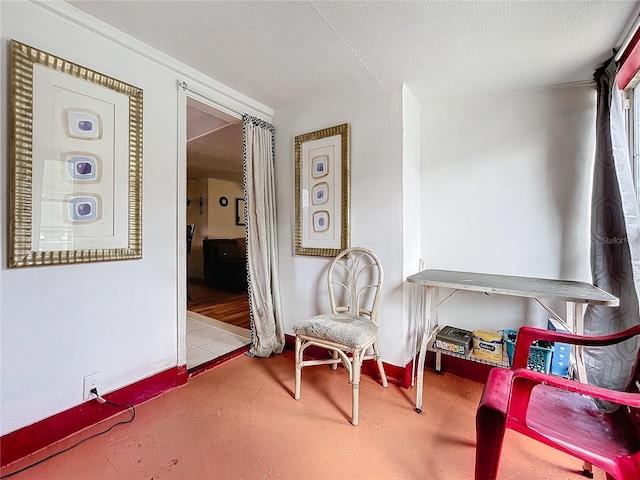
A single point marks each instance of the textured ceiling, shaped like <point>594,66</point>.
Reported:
<point>287,53</point>
<point>284,53</point>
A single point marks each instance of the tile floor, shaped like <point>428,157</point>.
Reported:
<point>208,339</point>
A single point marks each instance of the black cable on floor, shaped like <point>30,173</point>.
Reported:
<point>133,415</point>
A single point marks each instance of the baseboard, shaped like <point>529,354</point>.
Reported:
<point>397,375</point>
<point>475,371</point>
<point>401,376</point>
<point>30,439</point>
<point>183,375</point>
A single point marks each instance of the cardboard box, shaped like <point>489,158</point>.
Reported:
<point>454,340</point>
<point>487,345</point>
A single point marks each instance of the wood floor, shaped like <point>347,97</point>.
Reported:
<point>226,306</point>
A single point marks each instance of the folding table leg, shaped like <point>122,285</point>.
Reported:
<point>578,328</point>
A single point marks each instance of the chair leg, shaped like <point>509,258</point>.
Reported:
<point>383,376</point>
<point>490,427</point>
<point>355,385</point>
<point>298,356</point>
<point>334,354</point>
<point>587,470</point>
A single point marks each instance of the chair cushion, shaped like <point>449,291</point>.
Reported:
<point>343,328</point>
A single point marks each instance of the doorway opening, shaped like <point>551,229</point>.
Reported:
<point>217,317</point>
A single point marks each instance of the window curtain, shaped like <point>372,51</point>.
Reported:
<point>267,333</point>
<point>615,240</point>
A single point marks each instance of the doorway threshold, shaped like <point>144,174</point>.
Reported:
<point>203,367</point>
<point>211,342</point>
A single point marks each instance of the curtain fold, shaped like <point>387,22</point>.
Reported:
<point>267,332</point>
<point>615,239</point>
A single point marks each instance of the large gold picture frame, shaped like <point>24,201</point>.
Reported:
<point>75,163</point>
<point>322,191</point>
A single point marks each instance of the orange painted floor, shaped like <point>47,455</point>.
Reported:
<point>239,421</point>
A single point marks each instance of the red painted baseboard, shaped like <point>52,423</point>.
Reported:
<point>398,375</point>
<point>474,371</point>
<point>30,439</point>
<point>183,375</point>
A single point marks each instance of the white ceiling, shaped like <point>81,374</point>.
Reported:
<point>286,53</point>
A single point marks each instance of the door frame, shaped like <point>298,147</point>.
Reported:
<point>232,110</point>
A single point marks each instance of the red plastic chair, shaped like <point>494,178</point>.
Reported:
<point>558,412</point>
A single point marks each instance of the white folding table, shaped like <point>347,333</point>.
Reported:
<point>574,294</point>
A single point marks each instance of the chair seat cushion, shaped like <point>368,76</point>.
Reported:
<point>343,328</point>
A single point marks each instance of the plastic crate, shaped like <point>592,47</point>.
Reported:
<point>539,357</point>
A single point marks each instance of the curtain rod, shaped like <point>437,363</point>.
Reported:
<point>627,39</point>
<point>207,100</point>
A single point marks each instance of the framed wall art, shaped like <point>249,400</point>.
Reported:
<point>240,220</point>
<point>75,163</point>
<point>322,191</point>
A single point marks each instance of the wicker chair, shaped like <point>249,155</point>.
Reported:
<point>355,283</point>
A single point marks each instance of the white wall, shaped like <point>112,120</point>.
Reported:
<point>411,228</point>
<point>376,206</point>
<point>506,185</point>
<point>60,323</point>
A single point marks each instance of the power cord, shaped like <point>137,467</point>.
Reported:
<point>100,399</point>
<point>94,391</point>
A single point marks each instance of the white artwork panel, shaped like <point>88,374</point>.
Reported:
<point>321,192</point>
<point>80,197</point>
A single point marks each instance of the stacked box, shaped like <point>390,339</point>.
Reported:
<point>561,353</point>
<point>454,340</point>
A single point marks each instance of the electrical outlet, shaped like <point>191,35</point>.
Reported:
<point>91,381</point>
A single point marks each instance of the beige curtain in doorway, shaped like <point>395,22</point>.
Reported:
<point>267,333</point>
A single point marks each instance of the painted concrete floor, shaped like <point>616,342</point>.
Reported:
<point>239,420</point>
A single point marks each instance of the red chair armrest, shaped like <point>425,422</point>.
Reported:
<point>524,380</point>
<point>527,335</point>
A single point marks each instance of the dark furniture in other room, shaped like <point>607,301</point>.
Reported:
<point>225,263</point>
